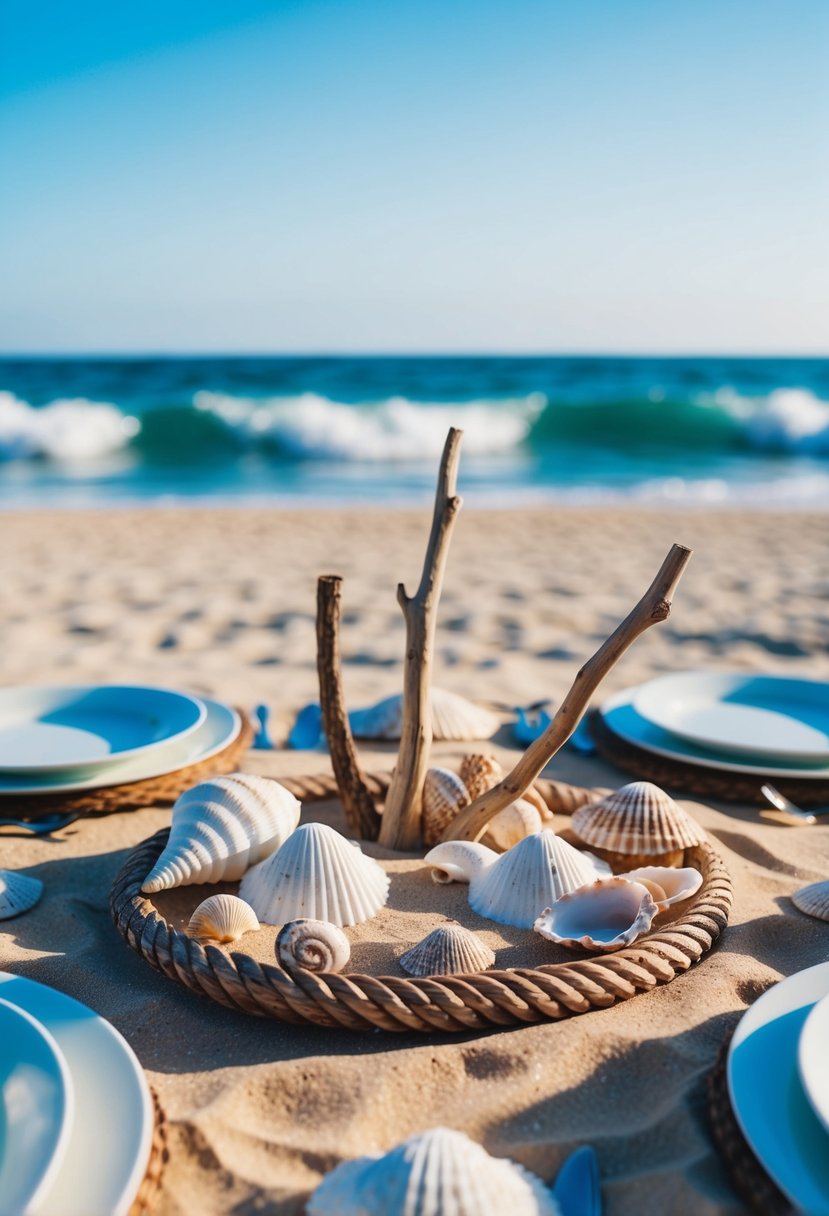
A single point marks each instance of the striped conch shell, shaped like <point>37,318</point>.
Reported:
<point>18,893</point>
<point>312,945</point>
<point>638,825</point>
<point>436,1173</point>
<point>813,900</point>
<point>222,919</point>
<point>453,718</point>
<point>221,827</point>
<point>601,917</point>
<point>448,950</point>
<point>316,873</point>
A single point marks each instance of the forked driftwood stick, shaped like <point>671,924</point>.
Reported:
<point>358,804</point>
<point>654,606</point>
<point>400,827</point>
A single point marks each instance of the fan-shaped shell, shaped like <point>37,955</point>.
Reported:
<point>448,950</point>
<point>312,945</point>
<point>444,794</point>
<point>479,773</point>
<point>18,893</point>
<point>604,916</point>
<point>637,821</point>
<point>536,872</point>
<point>436,1173</point>
<point>813,900</point>
<point>516,821</point>
<point>222,918</point>
<point>667,884</point>
<point>221,827</point>
<point>453,718</point>
<point>316,874</point>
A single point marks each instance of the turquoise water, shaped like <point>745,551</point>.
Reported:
<point>752,431</point>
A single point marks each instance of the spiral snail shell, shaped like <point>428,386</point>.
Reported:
<point>312,945</point>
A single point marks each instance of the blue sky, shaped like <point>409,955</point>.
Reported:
<point>360,175</point>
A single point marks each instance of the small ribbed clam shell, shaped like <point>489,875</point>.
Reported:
<point>531,876</point>
<point>675,884</point>
<point>453,718</point>
<point>436,1173</point>
<point>222,918</point>
<point>813,900</point>
<point>516,821</point>
<point>316,873</point>
<point>480,773</point>
<point>444,794</point>
<point>18,893</point>
<point>221,827</point>
<point>639,819</point>
<point>312,945</point>
<point>448,950</point>
<point>604,916</point>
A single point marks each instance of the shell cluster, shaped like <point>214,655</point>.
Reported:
<point>18,893</point>
<point>453,718</point>
<point>436,1173</point>
<point>222,919</point>
<point>637,825</point>
<point>221,827</point>
<point>604,916</point>
<point>316,873</point>
<point>312,945</point>
<point>445,794</point>
<point>448,950</point>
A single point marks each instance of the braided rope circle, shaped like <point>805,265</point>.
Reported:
<point>445,1003</point>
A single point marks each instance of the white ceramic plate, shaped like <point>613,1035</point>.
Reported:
<point>759,717</point>
<point>220,727</point>
<point>767,1096</point>
<point>111,1135</point>
<point>813,1060</point>
<point>85,729</point>
<point>621,716</point>
<point>36,1108</point>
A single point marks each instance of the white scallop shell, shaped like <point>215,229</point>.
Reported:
<point>221,827</point>
<point>676,884</point>
<point>444,794</point>
<point>448,950</point>
<point>18,893</point>
<point>436,1173</point>
<point>638,818</point>
<point>316,873</point>
<point>222,919</point>
<point>453,718</point>
<point>516,821</point>
<point>534,873</point>
<point>604,916</point>
<point>312,945</point>
<point>813,900</point>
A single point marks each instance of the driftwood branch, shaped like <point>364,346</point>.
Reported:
<point>358,804</point>
<point>654,606</point>
<point>400,828</point>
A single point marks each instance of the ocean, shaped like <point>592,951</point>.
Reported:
<point>81,431</point>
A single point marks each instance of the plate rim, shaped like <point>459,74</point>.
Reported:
<point>817,1099</point>
<point>112,759</point>
<point>714,677</point>
<point>34,1193</point>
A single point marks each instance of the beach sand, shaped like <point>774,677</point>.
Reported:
<point>222,601</point>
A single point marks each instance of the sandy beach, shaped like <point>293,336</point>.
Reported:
<point>221,601</point>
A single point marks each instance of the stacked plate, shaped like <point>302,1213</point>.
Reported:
<point>742,723</point>
<point>76,1116</point>
<point>778,1084</point>
<point>57,739</point>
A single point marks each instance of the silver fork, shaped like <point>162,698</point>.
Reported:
<point>781,803</point>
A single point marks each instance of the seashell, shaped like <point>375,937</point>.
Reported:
<point>603,916</point>
<point>436,1173</point>
<point>637,825</point>
<point>222,918</point>
<point>458,860</point>
<point>516,821</point>
<point>444,794</point>
<point>531,876</point>
<point>813,900</point>
<point>453,718</point>
<point>18,893</point>
<point>316,873</point>
<point>667,884</point>
<point>479,773</point>
<point>220,828</point>
<point>448,950</point>
<point>312,945</point>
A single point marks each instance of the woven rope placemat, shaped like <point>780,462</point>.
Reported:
<point>155,791</point>
<point>445,1003</point>
<point>691,778</point>
<point>745,1172</point>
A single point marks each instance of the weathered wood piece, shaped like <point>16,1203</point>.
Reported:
<point>400,827</point>
<point>654,606</point>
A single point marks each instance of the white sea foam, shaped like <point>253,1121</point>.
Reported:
<point>397,429</point>
<point>787,420</point>
<point>66,431</point>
